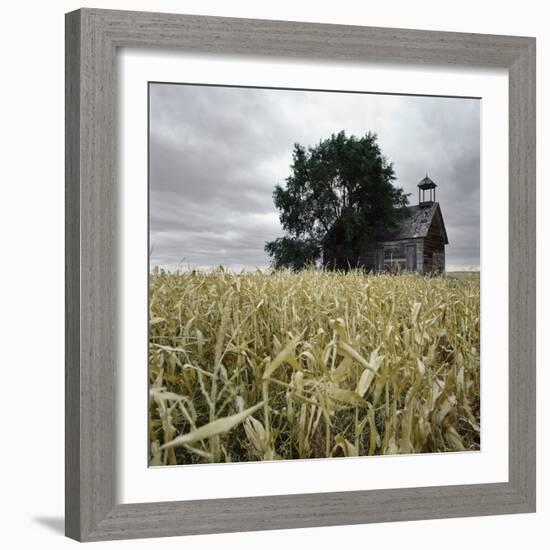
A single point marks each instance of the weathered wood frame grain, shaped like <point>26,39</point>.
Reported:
<point>92,38</point>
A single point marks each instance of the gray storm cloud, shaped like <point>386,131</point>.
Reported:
<point>216,154</point>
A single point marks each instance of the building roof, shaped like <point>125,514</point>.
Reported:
<point>416,224</point>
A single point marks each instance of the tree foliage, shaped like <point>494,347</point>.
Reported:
<point>293,252</point>
<point>339,195</point>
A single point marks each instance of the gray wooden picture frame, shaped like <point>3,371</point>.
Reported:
<point>92,39</point>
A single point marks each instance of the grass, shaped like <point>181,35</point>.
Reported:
<point>283,365</point>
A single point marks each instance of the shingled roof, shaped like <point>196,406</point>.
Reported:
<point>427,183</point>
<point>416,224</point>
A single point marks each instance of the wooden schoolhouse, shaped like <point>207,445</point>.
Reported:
<point>417,243</point>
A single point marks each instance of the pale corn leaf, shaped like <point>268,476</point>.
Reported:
<point>364,382</point>
<point>339,326</point>
<point>446,406</point>
<point>342,369</point>
<point>156,459</point>
<point>346,349</point>
<point>414,313</point>
<point>217,427</point>
<point>453,439</point>
<point>156,320</point>
<point>165,395</point>
<point>168,348</point>
<point>204,454</point>
<point>367,376</point>
<point>256,434</point>
<point>347,448</point>
<point>281,357</point>
<point>348,397</point>
<point>158,380</point>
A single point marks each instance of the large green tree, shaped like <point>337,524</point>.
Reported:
<point>338,197</point>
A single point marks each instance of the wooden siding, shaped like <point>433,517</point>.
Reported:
<point>434,247</point>
<point>392,256</point>
<point>429,255</point>
<point>428,237</point>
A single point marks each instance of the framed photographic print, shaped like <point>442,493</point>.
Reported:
<point>300,275</point>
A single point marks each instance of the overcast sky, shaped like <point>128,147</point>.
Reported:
<point>216,154</point>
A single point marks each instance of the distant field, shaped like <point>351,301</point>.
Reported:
<point>259,366</point>
<point>463,274</point>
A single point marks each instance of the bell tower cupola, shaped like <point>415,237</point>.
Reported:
<point>426,192</point>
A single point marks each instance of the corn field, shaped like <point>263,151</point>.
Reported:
<point>312,364</point>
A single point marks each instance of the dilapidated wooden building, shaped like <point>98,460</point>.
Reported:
<point>417,243</point>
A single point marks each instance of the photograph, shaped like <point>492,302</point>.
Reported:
<point>314,274</point>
